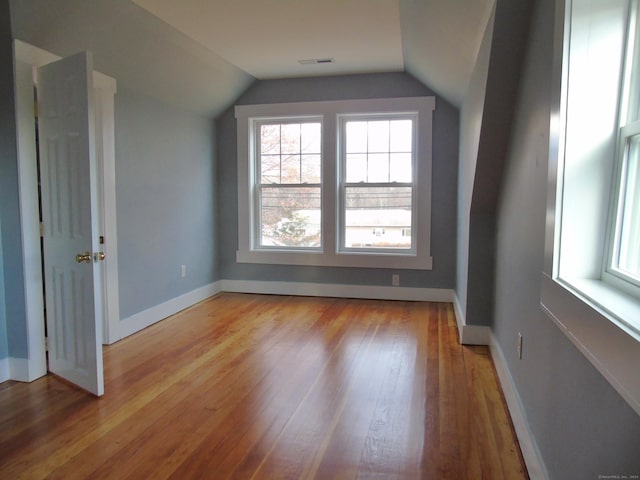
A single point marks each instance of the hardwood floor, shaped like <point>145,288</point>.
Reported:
<point>251,386</point>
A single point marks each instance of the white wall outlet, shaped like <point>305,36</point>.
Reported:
<point>395,280</point>
<point>183,271</point>
<point>519,346</point>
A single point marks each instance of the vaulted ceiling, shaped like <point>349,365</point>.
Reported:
<point>201,54</point>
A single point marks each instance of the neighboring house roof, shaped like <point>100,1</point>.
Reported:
<point>366,218</point>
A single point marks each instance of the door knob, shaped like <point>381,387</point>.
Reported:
<point>99,256</point>
<point>83,257</point>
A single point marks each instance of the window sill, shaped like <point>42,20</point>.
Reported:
<point>612,346</point>
<point>618,307</point>
<point>311,258</point>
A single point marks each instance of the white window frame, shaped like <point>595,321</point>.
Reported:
<point>599,318</point>
<point>330,254</point>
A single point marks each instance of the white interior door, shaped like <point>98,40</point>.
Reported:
<point>69,205</point>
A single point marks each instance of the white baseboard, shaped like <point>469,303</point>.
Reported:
<point>146,318</point>
<point>340,291</point>
<point>528,446</point>
<point>141,320</point>
<point>4,370</point>
<point>470,334</point>
<point>15,369</point>
<point>19,370</point>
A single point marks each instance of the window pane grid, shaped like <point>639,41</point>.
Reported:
<point>288,184</point>
<point>290,153</point>
<point>379,150</point>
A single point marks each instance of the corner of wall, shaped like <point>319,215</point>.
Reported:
<point>470,334</point>
<point>4,370</point>
<point>135,323</point>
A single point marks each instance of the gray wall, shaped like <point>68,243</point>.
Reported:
<point>492,98</point>
<point>444,195</point>
<point>165,195</point>
<point>471,116</point>
<point>15,334</point>
<point>4,347</point>
<point>583,428</point>
<point>130,44</point>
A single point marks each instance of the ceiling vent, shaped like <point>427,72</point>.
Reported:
<point>316,61</point>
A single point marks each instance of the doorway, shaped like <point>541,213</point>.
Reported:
<point>27,59</point>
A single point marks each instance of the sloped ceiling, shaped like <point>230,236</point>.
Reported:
<point>201,54</point>
<point>141,51</point>
<point>267,38</point>
<point>440,42</point>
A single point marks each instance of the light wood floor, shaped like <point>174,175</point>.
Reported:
<point>251,386</point>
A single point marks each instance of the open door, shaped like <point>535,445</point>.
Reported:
<point>71,256</point>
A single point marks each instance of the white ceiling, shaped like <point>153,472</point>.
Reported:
<point>202,54</point>
<point>435,40</point>
<point>267,38</point>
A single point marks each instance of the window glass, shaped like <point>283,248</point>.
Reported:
<point>628,260</point>
<point>378,217</point>
<point>378,190</point>
<point>290,217</point>
<point>289,187</point>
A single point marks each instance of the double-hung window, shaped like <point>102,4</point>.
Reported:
<point>377,188</point>
<point>336,183</point>
<point>288,186</point>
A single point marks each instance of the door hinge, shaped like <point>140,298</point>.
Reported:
<point>46,344</point>
<point>41,229</point>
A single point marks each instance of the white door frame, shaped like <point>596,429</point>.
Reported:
<point>27,59</point>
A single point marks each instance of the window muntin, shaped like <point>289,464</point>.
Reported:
<point>288,187</point>
<point>377,190</point>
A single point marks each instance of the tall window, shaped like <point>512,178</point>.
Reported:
<point>336,183</point>
<point>288,186</point>
<point>590,286</point>
<point>624,258</point>
<point>377,187</point>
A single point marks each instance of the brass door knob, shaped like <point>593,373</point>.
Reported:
<point>99,256</point>
<point>83,257</point>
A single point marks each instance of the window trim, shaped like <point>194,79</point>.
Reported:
<point>330,254</point>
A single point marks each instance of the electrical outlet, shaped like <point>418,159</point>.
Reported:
<point>519,346</point>
<point>183,271</point>
<point>395,280</point>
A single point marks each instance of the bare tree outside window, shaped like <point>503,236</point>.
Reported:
<point>290,178</point>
